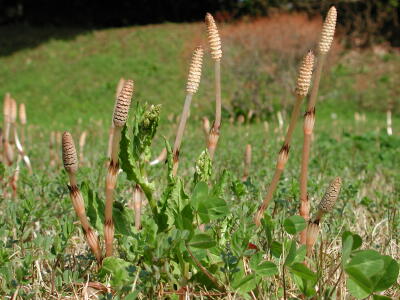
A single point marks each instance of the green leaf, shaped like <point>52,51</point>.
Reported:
<point>126,159</point>
<point>202,241</point>
<point>276,249</point>
<point>356,290</point>
<point>307,287</point>
<point>388,276</point>
<point>95,207</point>
<point>123,219</point>
<point>361,268</point>
<point>208,207</point>
<point>294,224</point>
<point>245,284</point>
<point>291,253</point>
<point>304,272</point>
<point>199,195</point>
<point>217,208</point>
<point>357,240</point>
<point>347,246</point>
<point>368,262</point>
<point>184,219</point>
<point>118,269</point>
<point>266,268</point>
<point>301,254</point>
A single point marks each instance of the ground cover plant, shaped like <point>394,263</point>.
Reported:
<point>156,231</point>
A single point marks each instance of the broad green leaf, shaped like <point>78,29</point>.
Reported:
<point>276,249</point>
<point>347,245</point>
<point>361,269</point>
<point>199,195</point>
<point>307,287</point>
<point>294,224</point>
<point>245,284</point>
<point>123,219</point>
<point>388,276</point>
<point>291,253</point>
<point>300,254</point>
<point>118,269</point>
<point>202,241</point>
<point>95,207</point>
<point>268,226</point>
<point>356,290</point>
<point>184,219</point>
<point>357,240</point>
<point>266,268</point>
<point>203,213</point>
<point>209,207</point>
<point>368,262</point>
<point>240,241</point>
<point>217,208</point>
<point>304,272</point>
<point>126,159</point>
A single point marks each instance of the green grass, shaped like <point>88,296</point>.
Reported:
<point>70,85</point>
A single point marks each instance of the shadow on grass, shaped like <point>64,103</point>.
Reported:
<point>15,38</point>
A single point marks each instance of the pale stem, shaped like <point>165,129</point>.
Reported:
<point>278,172</point>
<point>218,104</point>
<point>304,203</point>
<point>181,129</point>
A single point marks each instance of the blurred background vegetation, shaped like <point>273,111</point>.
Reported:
<point>59,53</point>
<point>364,21</point>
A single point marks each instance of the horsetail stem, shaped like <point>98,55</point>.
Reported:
<point>191,88</point>
<point>309,120</point>
<point>328,31</point>
<point>247,162</point>
<point>312,231</point>
<point>70,160</point>
<point>7,154</point>
<point>303,84</point>
<point>15,177</point>
<point>161,157</point>
<point>138,197</point>
<point>21,151</point>
<point>13,111</point>
<point>120,117</point>
<point>216,53</point>
<point>206,127</point>
<point>22,120</point>
<point>82,142</point>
